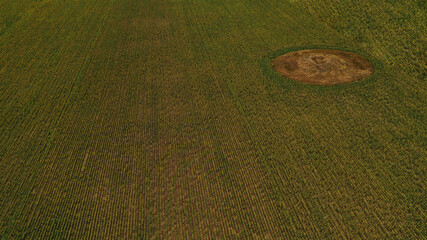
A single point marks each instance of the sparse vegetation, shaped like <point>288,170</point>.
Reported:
<point>323,66</point>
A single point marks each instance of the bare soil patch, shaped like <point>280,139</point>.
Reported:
<point>323,66</point>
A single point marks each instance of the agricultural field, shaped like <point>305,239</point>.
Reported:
<point>165,119</point>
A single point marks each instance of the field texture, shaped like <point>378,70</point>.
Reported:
<point>164,119</point>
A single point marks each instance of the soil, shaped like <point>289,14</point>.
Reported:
<point>323,66</point>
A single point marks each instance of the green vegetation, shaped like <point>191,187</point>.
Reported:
<point>164,119</point>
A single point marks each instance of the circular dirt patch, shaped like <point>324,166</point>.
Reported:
<point>323,66</point>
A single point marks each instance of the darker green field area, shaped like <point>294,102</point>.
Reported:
<point>164,119</point>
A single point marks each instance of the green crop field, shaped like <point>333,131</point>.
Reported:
<point>164,119</point>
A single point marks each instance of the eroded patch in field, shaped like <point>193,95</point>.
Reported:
<point>323,66</point>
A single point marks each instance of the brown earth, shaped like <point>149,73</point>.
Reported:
<point>323,66</point>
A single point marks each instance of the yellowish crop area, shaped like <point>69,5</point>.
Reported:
<point>165,119</point>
